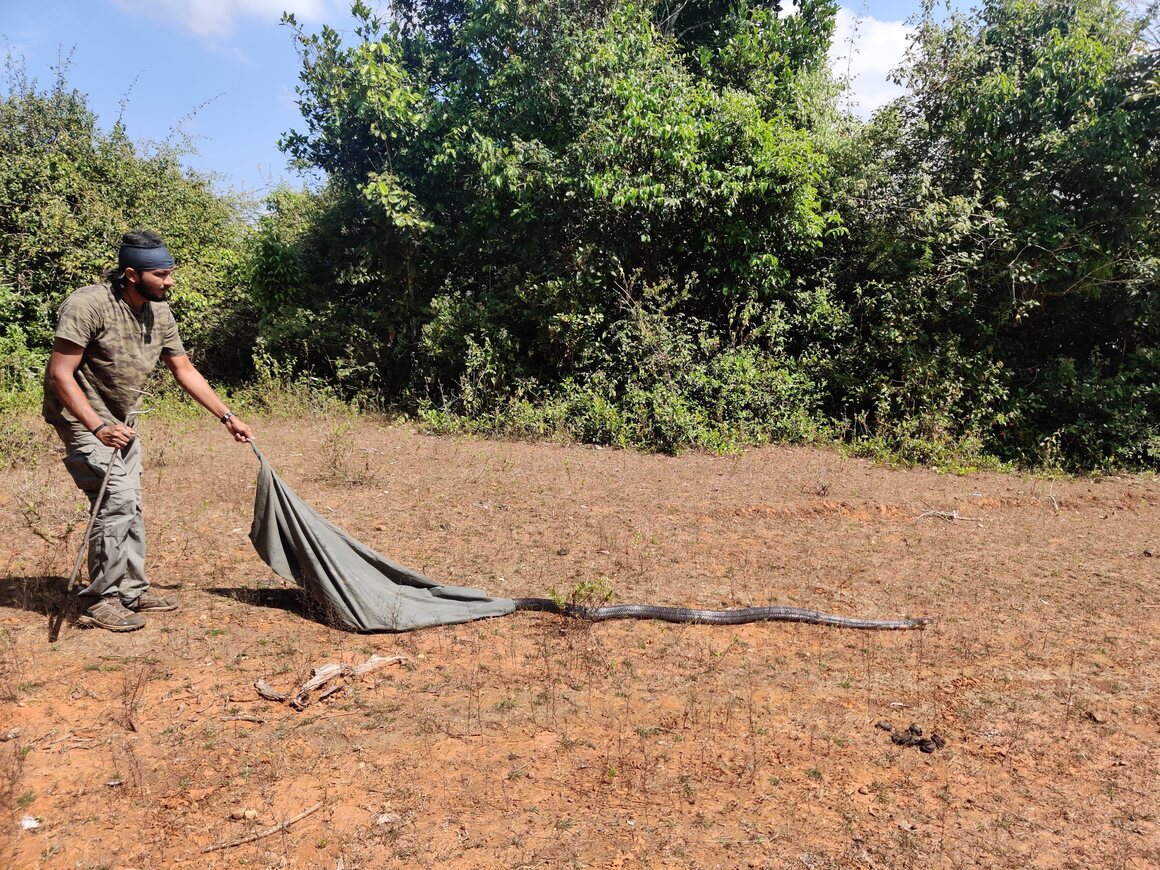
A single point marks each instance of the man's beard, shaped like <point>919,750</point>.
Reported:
<point>158,298</point>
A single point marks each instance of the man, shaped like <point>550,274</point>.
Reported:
<point>108,340</point>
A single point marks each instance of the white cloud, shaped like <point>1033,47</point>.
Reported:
<point>866,50</point>
<point>217,20</point>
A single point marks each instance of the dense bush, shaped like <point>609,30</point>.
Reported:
<point>565,204</point>
<point>648,222</point>
<point>1001,270</point>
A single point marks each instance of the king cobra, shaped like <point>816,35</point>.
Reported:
<point>716,617</point>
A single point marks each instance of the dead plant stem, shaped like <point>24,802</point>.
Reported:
<point>266,833</point>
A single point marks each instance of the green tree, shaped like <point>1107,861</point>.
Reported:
<point>525,183</point>
<point>68,190</point>
<point>1002,264</point>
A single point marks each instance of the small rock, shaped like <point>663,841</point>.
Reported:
<point>388,819</point>
<point>30,823</point>
<point>862,789</point>
<point>1093,716</point>
<point>12,734</point>
<point>116,782</point>
<point>884,726</point>
<point>1148,553</point>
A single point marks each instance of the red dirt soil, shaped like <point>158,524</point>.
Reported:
<point>532,740</point>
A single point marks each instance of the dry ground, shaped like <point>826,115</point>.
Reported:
<point>532,741</point>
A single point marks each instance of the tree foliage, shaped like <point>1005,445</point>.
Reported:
<point>523,184</point>
<point>648,223</point>
<point>632,215</point>
<point>1002,267</point>
<point>68,190</point>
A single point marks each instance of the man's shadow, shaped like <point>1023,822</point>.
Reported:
<point>46,595</point>
<point>292,599</point>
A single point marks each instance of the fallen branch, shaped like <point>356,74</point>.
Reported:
<point>268,692</point>
<point>324,674</point>
<point>266,833</point>
<point>375,662</point>
<point>320,676</point>
<point>952,516</point>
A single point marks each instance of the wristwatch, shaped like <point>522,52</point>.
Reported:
<point>225,418</point>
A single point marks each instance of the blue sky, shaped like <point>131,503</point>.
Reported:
<point>223,72</point>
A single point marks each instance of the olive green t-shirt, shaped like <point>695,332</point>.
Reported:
<point>121,349</point>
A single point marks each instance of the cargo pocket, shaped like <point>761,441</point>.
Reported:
<point>87,467</point>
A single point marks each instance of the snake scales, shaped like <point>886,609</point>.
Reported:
<point>715,617</point>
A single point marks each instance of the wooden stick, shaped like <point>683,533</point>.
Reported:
<point>952,516</point>
<point>266,833</point>
<point>375,662</point>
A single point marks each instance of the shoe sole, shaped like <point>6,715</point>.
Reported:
<point>156,609</point>
<point>93,622</point>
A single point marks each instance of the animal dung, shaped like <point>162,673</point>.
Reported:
<point>912,736</point>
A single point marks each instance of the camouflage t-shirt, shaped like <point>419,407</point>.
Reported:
<point>121,349</point>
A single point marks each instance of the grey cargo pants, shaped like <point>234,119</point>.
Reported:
<point>117,541</point>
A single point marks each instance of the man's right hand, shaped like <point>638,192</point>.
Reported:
<point>116,435</point>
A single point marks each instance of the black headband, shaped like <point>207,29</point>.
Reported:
<point>144,258</point>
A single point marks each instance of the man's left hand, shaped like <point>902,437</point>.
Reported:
<point>239,430</point>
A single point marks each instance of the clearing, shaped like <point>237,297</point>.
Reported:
<point>531,740</point>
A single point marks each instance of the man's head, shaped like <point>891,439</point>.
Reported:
<point>145,265</point>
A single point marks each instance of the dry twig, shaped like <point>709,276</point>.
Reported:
<point>266,833</point>
<point>951,516</point>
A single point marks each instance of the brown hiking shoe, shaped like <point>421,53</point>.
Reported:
<point>108,613</point>
<point>152,603</point>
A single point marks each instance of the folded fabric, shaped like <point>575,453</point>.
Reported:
<point>361,589</point>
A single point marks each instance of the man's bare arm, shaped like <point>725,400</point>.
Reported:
<point>192,381</point>
<point>66,358</point>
